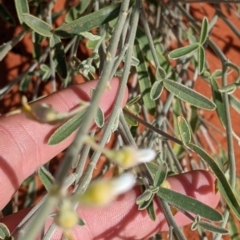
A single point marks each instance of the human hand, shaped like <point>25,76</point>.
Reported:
<point>24,148</point>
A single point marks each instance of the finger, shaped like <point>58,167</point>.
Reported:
<point>24,142</point>
<point>122,219</point>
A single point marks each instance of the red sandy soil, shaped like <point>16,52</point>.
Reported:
<point>20,57</point>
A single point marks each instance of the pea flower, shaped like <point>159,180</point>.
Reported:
<point>102,192</point>
<point>128,157</point>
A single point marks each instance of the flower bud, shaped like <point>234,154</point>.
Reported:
<point>67,217</point>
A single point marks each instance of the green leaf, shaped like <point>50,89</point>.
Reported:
<point>163,61</point>
<point>66,129</point>
<point>160,175</point>
<point>58,56</point>
<point>134,100</point>
<point>130,121</point>
<point>37,46</point>
<point>234,102</point>
<point>189,204</point>
<point>156,90</point>
<point>24,84</point>
<point>144,79</point>
<point>6,47</point>
<point>81,222</point>
<point>151,211</point>
<point>4,232</point>
<point>90,36</point>
<point>188,95</point>
<point>46,178</point>
<point>184,130</point>
<point>228,88</point>
<point>145,196</point>
<point>194,119</point>
<point>204,31</point>
<point>88,22</point>
<point>21,7</point>
<point>217,73</point>
<point>143,205</point>
<point>77,10</point>
<point>37,25</point>
<point>5,15</point>
<point>92,44</point>
<point>217,98</point>
<point>183,51</point>
<point>201,60</point>
<point>160,74</point>
<point>213,228</point>
<point>177,111</point>
<point>99,118</point>
<point>223,185</point>
<point>31,193</point>
<point>234,231</point>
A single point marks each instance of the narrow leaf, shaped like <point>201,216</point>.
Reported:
<point>6,47</point>
<point>4,232</point>
<point>99,118</point>
<point>134,100</point>
<point>188,95</point>
<point>90,36</point>
<point>204,31</point>
<point>160,74</point>
<point>77,10</point>
<point>234,231</point>
<point>23,86</point>
<point>88,22</point>
<point>223,185</point>
<point>228,88</point>
<point>183,51</point>
<point>184,130</point>
<point>58,56</point>
<point>66,129</point>
<point>143,205</point>
<point>189,204</point>
<point>213,228</point>
<point>21,7</point>
<point>156,90</point>
<point>217,98</point>
<point>5,15</point>
<point>46,178</point>
<point>235,103</point>
<point>160,175</point>
<point>37,46</point>
<point>217,73</point>
<point>151,211</point>
<point>37,25</point>
<point>194,119</point>
<point>144,79</point>
<point>145,196</point>
<point>201,59</point>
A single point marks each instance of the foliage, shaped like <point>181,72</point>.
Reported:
<point>126,32</point>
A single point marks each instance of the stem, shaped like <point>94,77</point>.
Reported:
<point>73,150</point>
<point>84,181</point>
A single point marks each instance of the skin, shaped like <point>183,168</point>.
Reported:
<point>24,148</point>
